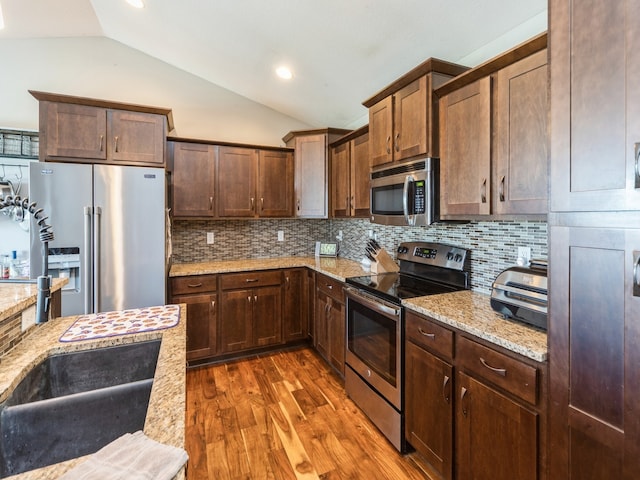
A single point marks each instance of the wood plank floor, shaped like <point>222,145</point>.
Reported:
<point>283,415</point>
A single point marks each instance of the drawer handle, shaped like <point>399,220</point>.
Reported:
<point>251,280</point>
<point>446,392</point>
<point>637,164</point>
<point>500,371</point>
<point>425,334</point>
<point>502,188</point>
<point>330,287</point>
<point>194,285</point>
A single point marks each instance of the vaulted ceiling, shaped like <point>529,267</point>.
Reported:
<point>341,52</point>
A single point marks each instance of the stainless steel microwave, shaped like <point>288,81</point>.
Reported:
<point>405,193</point>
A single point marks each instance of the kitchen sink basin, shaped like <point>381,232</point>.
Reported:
<point>73,404</point>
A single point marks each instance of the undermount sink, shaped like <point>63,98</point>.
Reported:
<point>73,404</point>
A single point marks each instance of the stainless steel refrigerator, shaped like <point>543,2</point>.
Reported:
<point>109,234</point>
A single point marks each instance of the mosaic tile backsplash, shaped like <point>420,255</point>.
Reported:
<point>492,244</point>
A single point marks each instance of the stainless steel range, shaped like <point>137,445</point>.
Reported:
<point>375,328</point>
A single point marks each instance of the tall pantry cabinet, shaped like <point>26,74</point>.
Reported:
<point>594,240</point>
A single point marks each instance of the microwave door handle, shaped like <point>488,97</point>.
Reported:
<point>409,217</point>
<point>405,198</point>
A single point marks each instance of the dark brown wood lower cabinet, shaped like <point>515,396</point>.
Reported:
<point>250,318</point>
<point>496,438</point>
<point>295,307</point>
<point>429,408</point>
<point>330,321</point>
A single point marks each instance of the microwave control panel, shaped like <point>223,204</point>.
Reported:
<point>419,197</point>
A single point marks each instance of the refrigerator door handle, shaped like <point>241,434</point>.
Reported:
<point>88,269</point>
<point>97,219</point>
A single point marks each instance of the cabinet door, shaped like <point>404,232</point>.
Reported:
<point>594,350</point>
<point>135,137</point>
<point>380,131</point>
<point>295,305</point>
<point>337,335</point>
<point>74,131</point>
<point>201,324</point>
<point>496,438</point>
<point>236,314</point>
<point>520,133</point>
<point>321,320</point>
<point>193,180</point>
<point>267,316</point>
<point>595,120</point>
<point>275,184</point>
<point>410,120</point>
<point>465,150</point>
<point>311,176</point>
<point>236,182</point>
<point>340,195</point>
<point>360,176</point>
<point>429,408</point>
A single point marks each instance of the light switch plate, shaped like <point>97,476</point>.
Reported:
<point>210,238</point>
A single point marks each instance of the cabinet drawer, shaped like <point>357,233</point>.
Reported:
<point>429,335</point>
<point>331,287</point>
<point>193,284</point>
<point>234,281</point>
<point>508,373</point>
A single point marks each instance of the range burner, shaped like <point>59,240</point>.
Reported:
<point>394,287</point>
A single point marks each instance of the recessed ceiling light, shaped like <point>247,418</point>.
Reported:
<point>136,3</point>
<point>284,73</point>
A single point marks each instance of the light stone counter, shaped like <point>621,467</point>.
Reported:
<point>17,297</point>
<point>338,268</point>
<point>471,312</point>
<point>165,421</point>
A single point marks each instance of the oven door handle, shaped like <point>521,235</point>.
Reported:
<point>374,304</point>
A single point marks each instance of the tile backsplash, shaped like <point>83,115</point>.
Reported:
<point>492,244</point>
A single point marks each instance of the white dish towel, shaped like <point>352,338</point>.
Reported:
<point>133,456</point>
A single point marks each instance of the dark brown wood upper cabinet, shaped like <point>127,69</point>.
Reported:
<point>403,117</point>
<point>193,167</point>
<point>493,136</point>
<point>350,173</point>
<point>86,130</point>
<point>254,183</point>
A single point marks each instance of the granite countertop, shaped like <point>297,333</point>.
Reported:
<point>471,312</point>
<point>338,268</point>
<point>165,419</point>
<point>16,297</point>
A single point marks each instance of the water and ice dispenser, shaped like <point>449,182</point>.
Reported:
<point>64,262</point>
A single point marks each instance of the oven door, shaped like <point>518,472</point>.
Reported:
<point>374,343</point>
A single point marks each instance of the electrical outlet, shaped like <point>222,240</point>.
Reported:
<point>210,238</point>
<point>281,235</point>
<point>524,255</point>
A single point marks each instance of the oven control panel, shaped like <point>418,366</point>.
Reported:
<point>437,254</point>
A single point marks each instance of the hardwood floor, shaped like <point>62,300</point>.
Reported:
<point>283,415</point>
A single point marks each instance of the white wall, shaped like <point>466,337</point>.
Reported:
<point>98,67</point>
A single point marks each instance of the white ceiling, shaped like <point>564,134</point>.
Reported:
<point>341,51</point>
